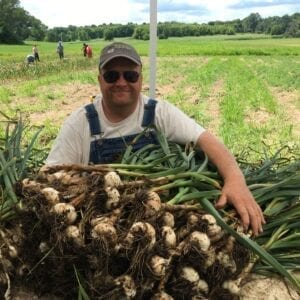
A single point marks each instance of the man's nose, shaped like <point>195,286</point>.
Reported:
<point>121,79</point>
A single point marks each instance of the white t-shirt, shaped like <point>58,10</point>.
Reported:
<point>72,145</point>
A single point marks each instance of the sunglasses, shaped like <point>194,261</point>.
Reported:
<point>113,76</point>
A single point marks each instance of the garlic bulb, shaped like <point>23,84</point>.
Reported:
<point>168,219</point>
<point>12,251</point>
<point>192,219</point>
<point>209,218</point>
<point>141,229</point>
<point>51,195</point>
<point>190,274</point>
<point>27,183</point>
<point>168,236</point>
<point>73,233</point>
<point>200,240</point>
<point>113,198</point>
<point>61,176</point>
<point>127,284</point>
<point>104,230</point>
<point>202,286</point>
<point>213,228</point>
<point>67,210</point>
<point>112,180</point>
<point>231,286</point>
<point>158,265</point>
<point>162,296</point>
<point>43,247</point>
<point>226,261</point>
<point>153,204</point>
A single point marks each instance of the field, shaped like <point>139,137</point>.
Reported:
<point>245,89</point>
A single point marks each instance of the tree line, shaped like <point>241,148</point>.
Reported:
<point>17,25</point>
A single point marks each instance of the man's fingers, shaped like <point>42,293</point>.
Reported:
<point>256,218</point>
<point>221,202</point>
<point>249,211</point>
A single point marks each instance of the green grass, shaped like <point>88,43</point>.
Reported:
<point>279,72</point>
<point>5,95</point>
<point>223,45</point>
<point>225,82</point>
<point>208,45</point>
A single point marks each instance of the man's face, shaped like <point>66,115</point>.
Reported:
<point>121,92</point>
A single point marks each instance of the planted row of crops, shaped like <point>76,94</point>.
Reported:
<point>48,66</point>
<point>142,229</point>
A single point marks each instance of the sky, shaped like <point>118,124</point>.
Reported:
<point>62,13</point>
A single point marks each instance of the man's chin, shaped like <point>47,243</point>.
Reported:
<point>122,102</point>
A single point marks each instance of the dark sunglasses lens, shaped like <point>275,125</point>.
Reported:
<point>131,76</point>
<point>111,76</point>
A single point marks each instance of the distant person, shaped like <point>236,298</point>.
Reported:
<point>30,59</point>
<point>84,49</point>
<point>35,53</point>
<point>89,51</point>
<point>60,50</point>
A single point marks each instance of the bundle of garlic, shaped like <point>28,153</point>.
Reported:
<point>82,226</point>
<point>146,229</point>
<point>82,230</point>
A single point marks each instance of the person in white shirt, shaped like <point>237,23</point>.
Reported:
<point>100,131</point>
<point>35,53</point>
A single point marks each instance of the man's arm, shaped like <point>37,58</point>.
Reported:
<point>235,190</point>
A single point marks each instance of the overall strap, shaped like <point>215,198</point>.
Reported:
<point>92,117</point>
<point>149,113</point>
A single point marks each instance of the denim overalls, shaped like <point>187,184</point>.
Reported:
<point>110,150</point>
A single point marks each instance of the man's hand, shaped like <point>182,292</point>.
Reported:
<point>238,195</point>
<point>235,190</point>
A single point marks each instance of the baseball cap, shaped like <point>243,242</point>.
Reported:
<point>118,49</point>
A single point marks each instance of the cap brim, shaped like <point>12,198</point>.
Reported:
<point>119,55</point>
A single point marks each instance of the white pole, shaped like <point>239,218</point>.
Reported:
<point>153,42</point>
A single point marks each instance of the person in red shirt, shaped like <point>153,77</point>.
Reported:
<point>89,51</point>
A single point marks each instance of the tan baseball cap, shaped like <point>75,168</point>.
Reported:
<point>118,49</point>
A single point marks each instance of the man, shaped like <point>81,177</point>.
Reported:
<point>60,50</point>
<point>98,132</point>
<point>84,49</point>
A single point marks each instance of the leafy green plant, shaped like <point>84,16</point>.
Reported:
<point>18,159</point>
